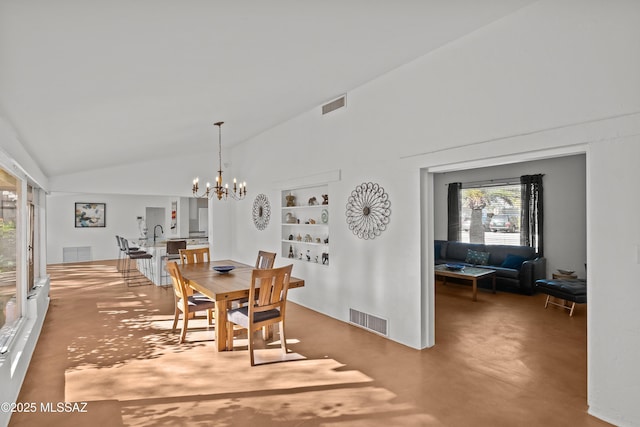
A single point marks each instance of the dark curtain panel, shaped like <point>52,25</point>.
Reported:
<point>453,211</point>
<point>532,220</point>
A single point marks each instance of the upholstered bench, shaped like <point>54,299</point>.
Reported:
<point>574,290</point>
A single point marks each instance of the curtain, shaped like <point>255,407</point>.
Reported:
<point>532,219</point>
<point>453,212</point>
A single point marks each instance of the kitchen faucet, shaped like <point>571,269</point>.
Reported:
<point>154,232</point>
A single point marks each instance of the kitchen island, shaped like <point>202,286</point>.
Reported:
<point>158,249</point>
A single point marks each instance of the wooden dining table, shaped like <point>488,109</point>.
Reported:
<point>223,288</point>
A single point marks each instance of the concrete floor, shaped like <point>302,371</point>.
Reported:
<point>501,361</point>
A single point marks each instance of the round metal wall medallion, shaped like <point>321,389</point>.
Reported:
<point>261,211</point>
<point>368,210</point>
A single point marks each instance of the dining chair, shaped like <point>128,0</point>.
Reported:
<point>267,303</point>
<point>185,303</point>
<point>192,256</point>
<point>265,259</point>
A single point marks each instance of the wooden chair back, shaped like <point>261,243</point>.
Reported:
<point>193,256</point>
<point>186,301</point>
<point>265,260</point>
<point>179,285</point>
<point>266,306</point>
<point>268,292</point>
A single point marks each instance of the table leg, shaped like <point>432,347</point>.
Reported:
<point>221,324</point>
<point>494,283</point>
<point>475,289</point>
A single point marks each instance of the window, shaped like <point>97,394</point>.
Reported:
<point>9,307</point>
<point>490,213</point>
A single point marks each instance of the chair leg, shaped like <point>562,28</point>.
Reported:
<point>250,341</point>
<point>546,304</point>
<point>210,316</point>
<point>176,314</point>
<point>283,339</point>
<point>185,322</point>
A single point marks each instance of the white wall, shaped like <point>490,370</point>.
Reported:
<point>121,214</point>
<point>559,73</point>
<point>565,226</point>
<point>614,291</point>
<point>556,74</point>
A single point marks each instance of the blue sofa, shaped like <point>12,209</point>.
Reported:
<point>517,267</point>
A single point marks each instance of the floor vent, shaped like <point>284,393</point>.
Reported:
<point>76,254</point>
<point>334,105</point>
<point>368,321</point>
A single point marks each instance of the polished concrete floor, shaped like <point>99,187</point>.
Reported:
<point>501,361</point>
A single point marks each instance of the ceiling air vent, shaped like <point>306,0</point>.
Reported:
<point>334,105</point>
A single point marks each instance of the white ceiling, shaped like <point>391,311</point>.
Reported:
<point>89,84</point>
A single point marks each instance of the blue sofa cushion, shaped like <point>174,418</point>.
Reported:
<point>513,261</point>
<point>477,257</point>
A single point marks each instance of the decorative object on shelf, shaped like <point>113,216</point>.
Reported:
<point>318,240</point>
<point>291,200</point>
<point>313,201</point>
<point>308,238</point>
<point>325,258</point>
<point>312,221</point>
<point>326,241</point>
<point>261,211</point>
<point>368,210</point>
<point>324,217</point>
<point>316,259</point>
<point>325,199</point>
<point>290,218</point>
<point>290,236</point>
<point>308,256</point>
<point>221,190</point>
<point>290,251</point>
<point>299,238</point>
<point>90,215</point>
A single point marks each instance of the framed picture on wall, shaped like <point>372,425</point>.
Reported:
<point>90,215</point>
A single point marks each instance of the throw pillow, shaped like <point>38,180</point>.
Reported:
<point>513,261</point>
<point>477,257</point>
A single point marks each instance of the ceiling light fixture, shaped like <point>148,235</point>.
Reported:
<point>220,190</point>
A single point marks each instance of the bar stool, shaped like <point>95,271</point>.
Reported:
<point>173,253</point>
<point>122,255</point>
<point>142,260</point>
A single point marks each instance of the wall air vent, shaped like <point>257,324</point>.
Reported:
<point>76,254</point>
<point>368,321</point>
<point>334,105</point>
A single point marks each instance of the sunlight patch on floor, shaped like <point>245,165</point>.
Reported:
<point>205,371</point>
<point>325,405</point>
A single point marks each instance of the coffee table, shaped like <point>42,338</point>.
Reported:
<point>467,273</point>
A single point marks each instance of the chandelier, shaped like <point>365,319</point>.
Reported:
<point>220,190</point>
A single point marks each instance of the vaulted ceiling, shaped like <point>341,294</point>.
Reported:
<point>93,84</point>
